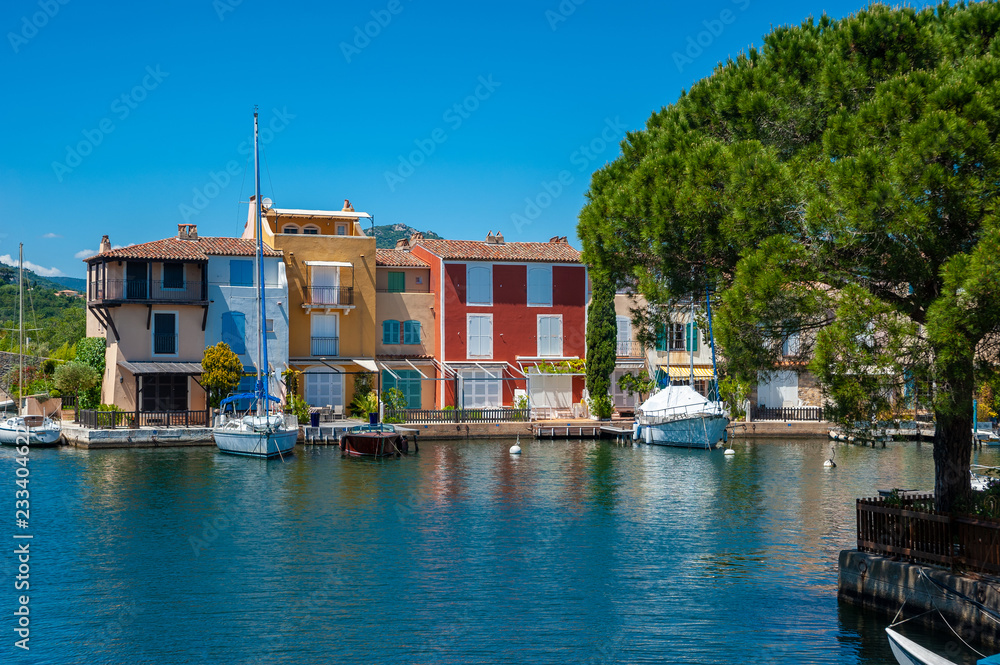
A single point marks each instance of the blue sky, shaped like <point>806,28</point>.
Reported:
<point>128,118</point>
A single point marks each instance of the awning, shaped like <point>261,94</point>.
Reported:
<point>685,372</point>
<point>143,368</point>
<point>367,363</point>
<point>329,264</point>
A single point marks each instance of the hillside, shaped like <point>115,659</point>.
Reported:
<point>386,235</point>
<point>8,275</point>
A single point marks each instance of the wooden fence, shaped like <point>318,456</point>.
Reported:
<point>134,419</point>
<point>913,531</point>
<point>429,416</point>
<point>786,412</point>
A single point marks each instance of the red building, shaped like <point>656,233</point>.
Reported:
<point>501,309</point>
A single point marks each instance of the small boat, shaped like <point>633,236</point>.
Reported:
<point>34,430</point>
<point>908,652</point>
<point>985,435</point>
<point>260,432</point>
<point>379,440</point>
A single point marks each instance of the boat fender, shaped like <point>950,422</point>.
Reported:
<point>725,436</point>
<point>416,446</point>
<point>636,428</point>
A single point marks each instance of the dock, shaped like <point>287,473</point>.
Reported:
<point>566,431</point>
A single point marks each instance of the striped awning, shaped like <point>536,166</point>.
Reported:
<point>682,372</point>
<point>142,368</point>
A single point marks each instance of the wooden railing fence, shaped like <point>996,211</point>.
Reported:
<point>134,419</point>
<point>429,416</point>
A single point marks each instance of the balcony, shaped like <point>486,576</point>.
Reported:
<point>629,350</point>
<point>147,291</point>
<point>324,346</point>
<point>328,296</point>
<point>165,343</point>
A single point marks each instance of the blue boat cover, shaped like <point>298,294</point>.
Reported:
<point>237,397</point>
<point>989,660</point>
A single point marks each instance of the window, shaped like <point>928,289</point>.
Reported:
<point>324,335</point>
<point>408,384</point>
<point>164,392</point>
<point>691,337</point>
<point>624,336</point>
<point>411,332</point>
<point>390,331</point>
<point>670,337</point>
<point>790,347</point>
<point>397,282</point>
<point>550,336</point>
<point>290,228</point>
<point>480,336</point>
<point>240,272</point>
<point>324,387</point>
<point>234,331</point>
<point>341,230</point>
<point>326,285</point>
<point>164,333</point>
<point>173,275</point>
<point>479,285</point>
<point>480,388</point>
<point>539,286</point>
<point>311,230</point>
<point>136,280</point>
<point>269,326</point>
<point>418,279</point>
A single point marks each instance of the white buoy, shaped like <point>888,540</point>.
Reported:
<point>830,463</point>
<point>516,448</point>
<point>729,451</point>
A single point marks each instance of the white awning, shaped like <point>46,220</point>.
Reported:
<point>293,212</point>
<point>367,363</point>
<point>329,264</point>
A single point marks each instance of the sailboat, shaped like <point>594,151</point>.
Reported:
<point>24,429</point>
<point>679,415</point>
<point>261,433</point>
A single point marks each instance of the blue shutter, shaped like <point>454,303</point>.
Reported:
<point>240,272</point>
<point>691,338</point>
<point>390,331</point>
<point>234,331</point>
<point>411,332</point>
<point>661,337</point>
<point>388,381</point>
<point>412,390</point>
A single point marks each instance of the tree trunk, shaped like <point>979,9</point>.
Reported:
<point>952,452</point>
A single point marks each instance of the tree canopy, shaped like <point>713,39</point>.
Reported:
<point>838,184</point>
<point>221,372</point>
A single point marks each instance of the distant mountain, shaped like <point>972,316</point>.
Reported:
<point>386,235</point>
<point>8,275</point>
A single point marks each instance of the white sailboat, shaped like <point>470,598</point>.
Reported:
<point>262,433</point>
<point>34,430</point>
<point>679,415</point>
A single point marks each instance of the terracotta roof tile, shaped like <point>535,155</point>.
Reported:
<point>475,250</point>
<point>398,258</point>
<point>186,250</point>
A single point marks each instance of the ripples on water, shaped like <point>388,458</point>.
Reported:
<point>574,552</point>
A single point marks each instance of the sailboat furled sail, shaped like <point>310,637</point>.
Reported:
<point>259,433</point>
<point>22,429</point>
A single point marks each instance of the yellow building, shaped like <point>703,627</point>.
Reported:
<point>330,267</point>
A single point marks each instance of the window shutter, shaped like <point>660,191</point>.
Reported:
<point>411,332</point>
<point>390,331</point>
<point>661,337</point>
<point>691,338</point>
<point>397,282</point>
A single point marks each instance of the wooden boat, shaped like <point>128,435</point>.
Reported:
<point>379,440</point>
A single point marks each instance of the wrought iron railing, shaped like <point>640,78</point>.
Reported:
<point>629,350</point>
<point>328,295</point>
<point>484,415</point>
<point>786,412</point>
<point>165,343</point>
<point>324,346</point>
<point>122,290</point>
<point>135,419</point>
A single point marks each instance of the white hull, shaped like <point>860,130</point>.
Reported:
<point>908,652</point>
<point>256,436</point>
<point>694,432</point>
<point>14,432</point>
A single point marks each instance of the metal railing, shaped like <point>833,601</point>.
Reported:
<point>134,419</point>
<point>122,290</point>
<point>165,343</point>
<point>915,532</point>
<point>786,412</point>
<point>324,346</point>
<point>629,350</point>
<point>328,295</point>
<point>484,415</point>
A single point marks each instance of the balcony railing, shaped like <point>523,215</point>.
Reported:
<point>134,419</point>
<point>328,295</point>
<point>144,290</point>
<point>324,346</point>
<point>629,350</point>
<point>165,343</point>
<point>470,415</point>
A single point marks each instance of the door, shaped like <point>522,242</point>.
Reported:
<point>136,280</point>
<point>551,390</point>
<point>325,339</point>
<point>324,388</point>
<point>326,285</point>
<point>624,337</point>
<point>781,390</point>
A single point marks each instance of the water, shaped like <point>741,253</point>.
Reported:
<point>574,552</point>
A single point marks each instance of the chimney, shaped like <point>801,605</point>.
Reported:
<point>554,239</point>
<point>490,238</point>
<point>347,206</point>
<point>105,245</point>
<point>499,238</point>
<point>415,236</point>
<point>402,243</point>
<point>187,231</point>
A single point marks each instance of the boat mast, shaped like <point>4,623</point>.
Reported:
<point>20,325</point>
<point>711,340</point>
<point>690,343</point>
<point>262,406</point>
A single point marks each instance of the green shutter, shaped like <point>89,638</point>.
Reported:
<point>397,282</point>
<point>661,337</point>
<point>691,338</point>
